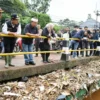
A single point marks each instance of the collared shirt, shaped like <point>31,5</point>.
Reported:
<point>5,29</point>
<point>29,29</point>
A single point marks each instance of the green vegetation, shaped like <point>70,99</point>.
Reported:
<point>57,28</point>
<point>27,9</point>
<point>12,6</point>
<point>40,6</point>
<point>26,13</point>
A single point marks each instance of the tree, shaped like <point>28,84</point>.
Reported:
<point>13,6</point>
<point>18,6</point>
<point>57,28</point>
<point>67,22</point>
<point>38,5</point>
<point>43,18</point>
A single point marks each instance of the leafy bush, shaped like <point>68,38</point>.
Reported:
<point>5,17</point>
<point>43,18</point>
<point>57,28</point>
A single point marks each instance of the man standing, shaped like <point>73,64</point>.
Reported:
<point>75,43</point>
<point>85,42</point>
<point>13,28</point>
<point>37,40</point>
<point>30,30</point>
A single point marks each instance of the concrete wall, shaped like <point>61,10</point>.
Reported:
<point>13,73</point>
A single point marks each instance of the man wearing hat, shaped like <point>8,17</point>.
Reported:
<point>30,30</point>
<point>13,28</point>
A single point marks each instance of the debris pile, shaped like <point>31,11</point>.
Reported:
<point>73,83</point>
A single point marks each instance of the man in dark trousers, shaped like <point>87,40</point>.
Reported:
<point>85,42</point>
<point>12,28</point>
<point>30,30</point>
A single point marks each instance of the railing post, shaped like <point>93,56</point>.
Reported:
<point>98,48</point>
<point>65,55</point>
<point>98,51</point>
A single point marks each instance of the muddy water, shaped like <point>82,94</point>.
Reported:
<point>94,96</point>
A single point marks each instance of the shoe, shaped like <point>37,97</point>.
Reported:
<point>26,63</point>
<point>6,66</point>
<point>92,55</point>
<point>32,63</point>
<point>11,65</point>
<point>44,61</point>
<point>48,61</point>
<point>76,57</point>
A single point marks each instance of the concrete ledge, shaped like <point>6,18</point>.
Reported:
<point>13,73</point>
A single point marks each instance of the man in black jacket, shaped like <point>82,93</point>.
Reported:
<point>13,28</point>
<point>85,42</point>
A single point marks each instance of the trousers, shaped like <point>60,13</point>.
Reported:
<point>44,47</point>
<point>75,45</point>
<point>28,48</point>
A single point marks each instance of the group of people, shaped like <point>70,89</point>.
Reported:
<point>13,27</point>
<point>85,39</point>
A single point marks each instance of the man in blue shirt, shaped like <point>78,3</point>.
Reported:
<point>75,43</point>
<point>30,30</point>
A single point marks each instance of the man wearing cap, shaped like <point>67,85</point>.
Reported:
<point>30,30</point>
<point>13,28</point>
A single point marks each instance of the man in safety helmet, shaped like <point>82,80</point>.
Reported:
<point>12,28</point>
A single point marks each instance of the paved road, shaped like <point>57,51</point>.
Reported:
<point>18,61</point>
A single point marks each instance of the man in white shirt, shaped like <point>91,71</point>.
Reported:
<point>13,28</point>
